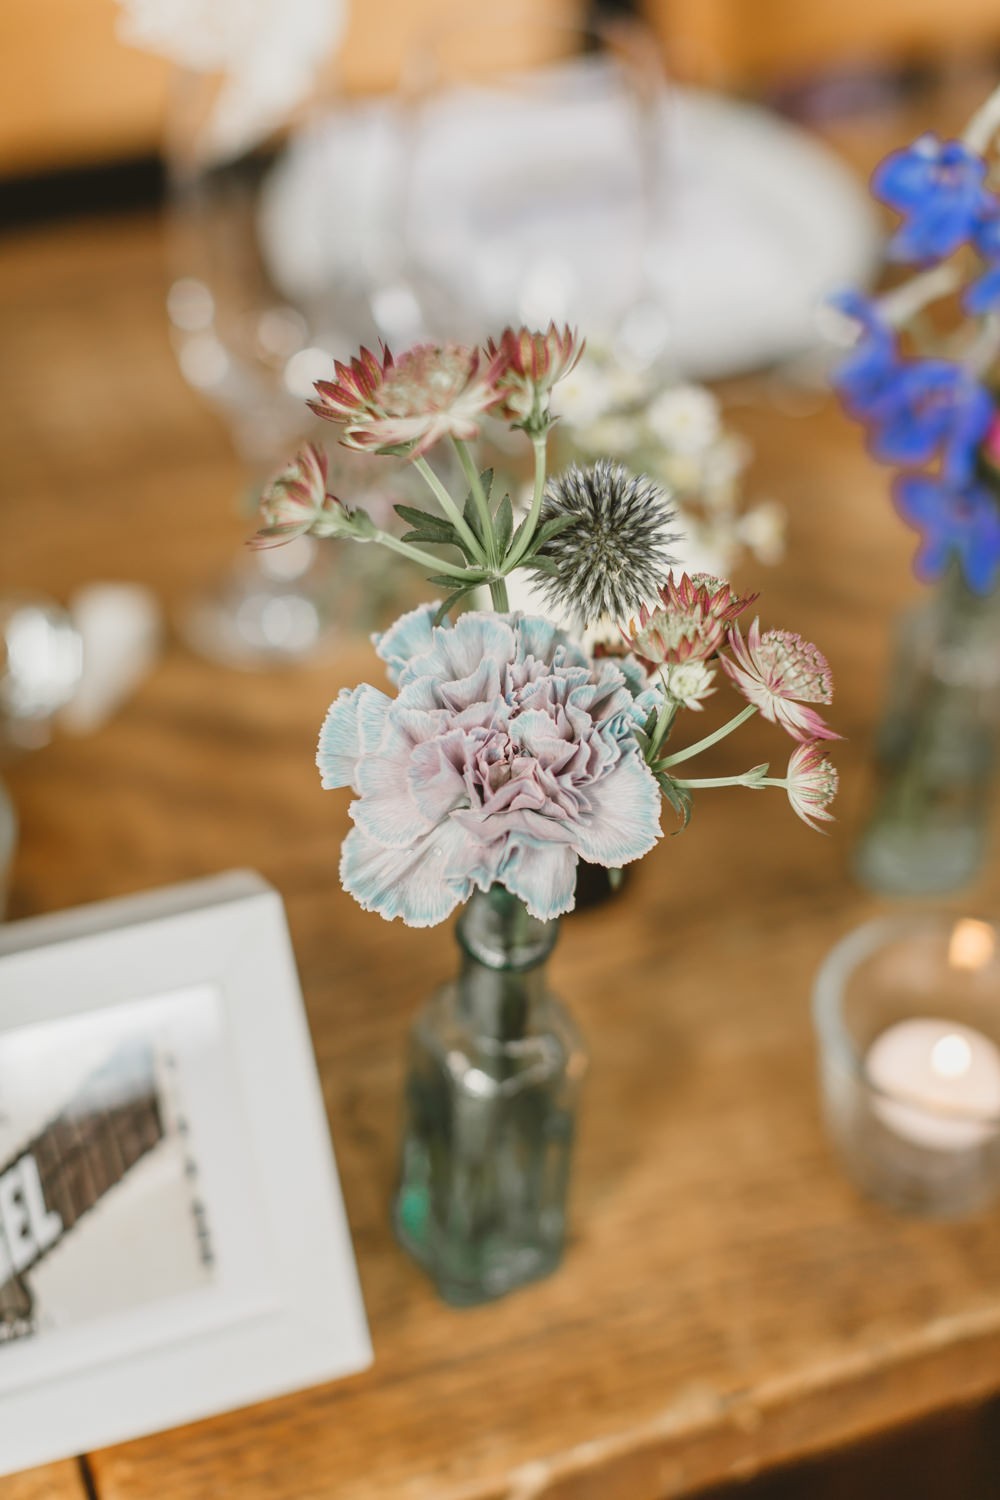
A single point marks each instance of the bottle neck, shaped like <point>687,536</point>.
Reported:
<point>504,950</point>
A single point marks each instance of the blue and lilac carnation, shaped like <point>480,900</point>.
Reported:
<point>505,758</point>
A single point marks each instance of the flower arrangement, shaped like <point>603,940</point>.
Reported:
<point>508,753</point>
<point>921,376</point>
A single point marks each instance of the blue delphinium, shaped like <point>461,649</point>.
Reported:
<point>961,523</point>
<point>935,406</point>
<point>914,409</point>
<point>867,375</point>
<point>983,296</point>
<point>939,188</point>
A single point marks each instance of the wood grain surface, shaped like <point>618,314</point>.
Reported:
<point>55,1482</point>
<point>728,1301</point>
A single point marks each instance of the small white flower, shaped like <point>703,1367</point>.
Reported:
<point>582,396</point>
<point>614,436</point>
<point>685,419</point>
<point>763,531</point>
<point>690,682</point>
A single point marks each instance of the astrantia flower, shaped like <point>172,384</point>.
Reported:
<point>430,392</point>
<point>962,523</point>
<point>526,365</point>
<point>613,554</point>
<point>506,757</point>
<point>811,782</point>
<point>779,672</point>
<point>938,187</point>
<point>296,502</point>
<point>689,683</point>
<point>689,623</point>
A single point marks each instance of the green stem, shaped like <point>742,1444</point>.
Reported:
<point>665,716</point>
<point>747,779</point>
<point>710,739</point>
<point>531,524</point>
<point>418,555</point>
<point>450,509</point>
<point>498,595</point>
<point>479,497</point>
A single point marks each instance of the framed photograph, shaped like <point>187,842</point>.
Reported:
<point>172,1236</point>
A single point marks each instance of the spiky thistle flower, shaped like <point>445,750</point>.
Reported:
<point>389,405</point>
<point>612,552</point>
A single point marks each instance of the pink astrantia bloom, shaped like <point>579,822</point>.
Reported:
<point>296,502</point>
<point>780,673</point>
<point>689,624</point>
<point>430,392</point>
<point>527,365</point>
<point>811,783</point>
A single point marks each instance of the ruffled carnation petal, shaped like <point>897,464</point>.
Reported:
<point>353,722</point>
<point>415,883</point>
<point>624,821</point>
<point>543,876</point>
<point>386,810</point>
<point>410,636</point>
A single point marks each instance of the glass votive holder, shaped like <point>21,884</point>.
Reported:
<point>8,840</point>
<point>907,1016</point>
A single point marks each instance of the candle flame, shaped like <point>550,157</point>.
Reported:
<point>972,944</point>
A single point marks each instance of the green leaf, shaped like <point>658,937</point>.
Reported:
<point>540,565</point>
<point>432,537</point>
<point>425,521</point>
<point>470,511</point>
<point>470,580</point>
<point>551,528</point>
<point>679,798</point>
<point>504,523</point>
<point>757,774</point>
<point>449,604</point>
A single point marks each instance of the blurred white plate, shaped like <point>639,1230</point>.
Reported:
<point>757,222</point>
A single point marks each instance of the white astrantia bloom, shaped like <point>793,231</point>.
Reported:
<point>689,683</point>
<point>268,51</point>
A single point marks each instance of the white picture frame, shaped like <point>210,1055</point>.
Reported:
<point>173,1241</point>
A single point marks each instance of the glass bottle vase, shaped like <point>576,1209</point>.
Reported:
<point>491,1096</point>
<point>936,747</point>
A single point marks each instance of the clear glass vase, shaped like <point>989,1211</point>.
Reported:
<point>491,1098</point>
<point>936,747</point>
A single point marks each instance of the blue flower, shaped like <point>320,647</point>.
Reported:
<point>869,372</point>
<point>938,188</point>
<point>984,295</point>
<point>933,405</point>
<point>964,523</point>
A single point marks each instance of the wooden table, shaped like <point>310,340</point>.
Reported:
<point>728,1301</point>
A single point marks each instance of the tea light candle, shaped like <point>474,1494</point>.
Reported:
<point>938,1082</point>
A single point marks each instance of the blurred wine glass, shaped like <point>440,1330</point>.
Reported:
<point>533,180</point>
<point>256,316</point>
